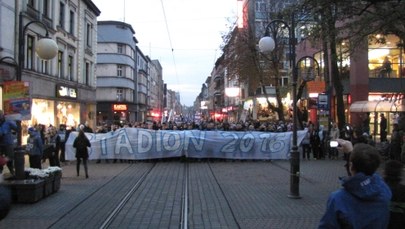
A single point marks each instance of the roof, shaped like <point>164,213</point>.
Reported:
<point>378,106</point>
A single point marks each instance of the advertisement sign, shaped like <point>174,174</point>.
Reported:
<point>323,102</point>
<point>16,100</point>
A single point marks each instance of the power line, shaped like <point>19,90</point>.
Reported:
<point>170,41</point>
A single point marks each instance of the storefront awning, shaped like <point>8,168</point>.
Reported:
<point>377,106</point>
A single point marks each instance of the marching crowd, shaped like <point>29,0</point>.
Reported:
<point>365,200</point>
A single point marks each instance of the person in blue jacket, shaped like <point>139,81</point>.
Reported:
<point>364,200</point>
<point>35,148</point>
<point>7,141</point>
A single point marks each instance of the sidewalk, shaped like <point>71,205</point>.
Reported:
<point>234,194</point>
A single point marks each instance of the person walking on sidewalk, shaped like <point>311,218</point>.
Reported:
<point>81,143</point>
<point>364,200</point>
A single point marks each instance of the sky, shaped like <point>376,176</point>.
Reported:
<point>184,35</point>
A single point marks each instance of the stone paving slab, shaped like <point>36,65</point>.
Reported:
<point>222,194</point>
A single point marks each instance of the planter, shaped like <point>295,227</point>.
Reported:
<point>48,185</point>
<point>26,191</point>
<point>57,181</point>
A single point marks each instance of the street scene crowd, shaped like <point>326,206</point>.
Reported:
<point>365,198</point>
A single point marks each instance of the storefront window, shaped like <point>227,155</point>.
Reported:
<point>68,113</point>
<point>385,59</point>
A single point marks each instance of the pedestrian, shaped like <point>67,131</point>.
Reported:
<point>81,143</point>
<point>34,148</point>
<point>383,128</point>
<point>315,141</point>
<point>5,197</point>
<point>306,146</point>
<point>7,143</point>
<point>393,176</point>
<point>333,135</point>
<point>395,144</point>
<point>60,144</point>
<point>346,147</point>
<point>51,152</point>
<point>364,200</point>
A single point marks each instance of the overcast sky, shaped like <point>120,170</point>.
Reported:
<point>184,35</point>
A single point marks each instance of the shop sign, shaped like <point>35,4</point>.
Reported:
<point>66,92</point>
<point>120,107</point>
<point>316,86</point>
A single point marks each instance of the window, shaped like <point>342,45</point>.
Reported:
<point>120,70</point>
<point>120,94</point>
<point>87,74</point>
<point>45,8</point>
<point>88,35</point>
<point>71,22</point>
<point>120,48</point>
<point>30,52</point>
<point>60,64</point>
<point>31,3</point>
<point>385,58</point>
<point>70,68</point>
<point>44,66</point>
<point>61,15</point>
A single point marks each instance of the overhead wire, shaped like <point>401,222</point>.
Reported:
<point>171,46</point>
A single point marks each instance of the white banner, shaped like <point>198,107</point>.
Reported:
<point>140,144</point>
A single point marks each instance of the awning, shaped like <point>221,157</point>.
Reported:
<point>377,106</point>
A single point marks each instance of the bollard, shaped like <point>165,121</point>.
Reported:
<point>19,161</point>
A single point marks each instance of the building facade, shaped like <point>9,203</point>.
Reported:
<point>116,73</point>
<point>61,90</point>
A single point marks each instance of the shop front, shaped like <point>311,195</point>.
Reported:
<point>65,109</point>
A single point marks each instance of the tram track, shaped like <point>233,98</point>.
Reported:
<point>155,195</point>
<point>125,199</point>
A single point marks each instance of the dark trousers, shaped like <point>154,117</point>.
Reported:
<point>383,136</point>
<point>347,165</point>
<point>306,151</point>
<point>35,161</point>
<point>84,164</point>
<point>62,152</point>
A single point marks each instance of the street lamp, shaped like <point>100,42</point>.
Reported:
<point>46,49</point>
<point>267,44</point>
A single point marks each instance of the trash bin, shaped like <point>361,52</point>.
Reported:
<point>19,161</point>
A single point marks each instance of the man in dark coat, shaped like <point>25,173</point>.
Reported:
<point>383,128</point>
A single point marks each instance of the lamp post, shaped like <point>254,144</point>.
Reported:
<point>267,44</point>
<point>46,49</point>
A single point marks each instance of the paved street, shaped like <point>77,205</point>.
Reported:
<point>175,194</point>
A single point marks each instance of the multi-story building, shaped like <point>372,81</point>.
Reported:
<point>141,99</point>
<point>116,73</point>
<point>61,90</point>
<point>155,97</point>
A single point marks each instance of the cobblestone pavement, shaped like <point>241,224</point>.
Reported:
<point>220,194</point>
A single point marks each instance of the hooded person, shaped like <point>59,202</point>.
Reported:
<point>34,148</point>
<point>364,199</point>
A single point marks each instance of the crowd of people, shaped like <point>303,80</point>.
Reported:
<point>365,200</point>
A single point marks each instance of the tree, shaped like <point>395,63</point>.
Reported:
<point>253,68</point>
<point>355,21</point>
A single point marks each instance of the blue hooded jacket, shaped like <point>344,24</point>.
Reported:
<point>363,202</point>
